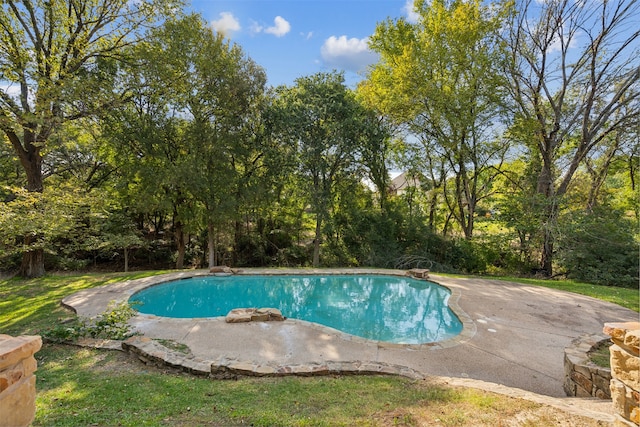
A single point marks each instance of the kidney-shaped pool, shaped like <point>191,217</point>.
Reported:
<point>384,308</point>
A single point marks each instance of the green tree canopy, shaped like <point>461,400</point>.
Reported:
<point>574,81</point>
<point>329,129</point>
<point>56,64</point>
<point>440,78</point>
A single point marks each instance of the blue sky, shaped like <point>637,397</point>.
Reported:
<point>294,38</point>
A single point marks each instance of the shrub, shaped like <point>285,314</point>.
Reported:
<point>598,247</point>
<point>111,324</point>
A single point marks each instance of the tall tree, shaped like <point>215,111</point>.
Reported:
<point>323,120</point>
<point>439,77</point>
<point>219,91</point>
<point>53,55</point>
<point>377,149</point>
<point>146,137</point>
<point>574,80</point>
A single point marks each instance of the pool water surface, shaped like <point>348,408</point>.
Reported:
<point>383,308</point>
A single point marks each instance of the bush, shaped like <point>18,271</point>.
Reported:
<point>111,324</point>
<point>64,263</point>
<point>251,250</point>
<point>598,247</point>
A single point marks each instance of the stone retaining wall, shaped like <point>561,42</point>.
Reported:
<point>583,378</point>
<point>154,353</point>
<point>17,382</point>
<point>625,370</point>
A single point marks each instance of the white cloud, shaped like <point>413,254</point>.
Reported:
<point>349,54</point>
<point>410,10</point>
<point>280,28</point>
<point>227,24</point>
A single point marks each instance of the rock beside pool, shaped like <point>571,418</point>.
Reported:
<point>418,273</point>
<point>223,270</point>
<point>241,315</point>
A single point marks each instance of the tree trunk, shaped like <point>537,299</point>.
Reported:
<point>316,241</point>
<point>545,188</point>
<point>211,245</point>
<point>126,260</point>
<point>181,245</point>
<point>546,260</point>
<point>237,235</point>
<point>433,205</point>
<point>32,261</point>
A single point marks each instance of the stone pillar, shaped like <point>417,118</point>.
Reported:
<point>17,382</point>
<point>625,371</point>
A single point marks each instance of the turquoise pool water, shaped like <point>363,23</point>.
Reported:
<point>383,308</point>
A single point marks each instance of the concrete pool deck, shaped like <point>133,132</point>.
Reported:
<point>514,334</point>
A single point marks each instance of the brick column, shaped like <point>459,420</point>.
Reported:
<point>17,382</point>
<point>625,371</point>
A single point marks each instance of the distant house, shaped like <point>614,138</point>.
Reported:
<point>402,182</point>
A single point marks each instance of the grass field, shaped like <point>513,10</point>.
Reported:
<point>86,387</point>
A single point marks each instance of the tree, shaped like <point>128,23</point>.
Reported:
<point>50,217</point>
<point>57,59</point>
<point>322,119</point>
<point>145,139</point>
<point>190,138</point>
<point>220,91</point>
<point>377,148</point>
<point>598,246</point>
<point>439,78</point>
<point>574,80</point>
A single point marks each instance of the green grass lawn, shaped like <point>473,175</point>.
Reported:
<point>106,388</point>
<point>85,387</point>
<point>27,306</point>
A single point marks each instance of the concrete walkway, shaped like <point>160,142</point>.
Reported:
<point>514,335</point>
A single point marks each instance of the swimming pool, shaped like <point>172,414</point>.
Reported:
<point>384,308</point>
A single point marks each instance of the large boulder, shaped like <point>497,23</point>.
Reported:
<point>242,315</point>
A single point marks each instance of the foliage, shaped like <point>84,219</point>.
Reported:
<point>159,142</point>
<point>68,223</point>
<point>328,128</point>
<point>575,96</point>
<point>599,247</point>
<point>600,355</point>
<point>111,324</point>
<point>62,57</point>
<point>440,77</point>
<point>46,216</point>
<point>38,220</point>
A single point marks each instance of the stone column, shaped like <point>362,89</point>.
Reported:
<point>625,371</point>
<point>17,382</point>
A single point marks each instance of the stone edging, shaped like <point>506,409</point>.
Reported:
<point>153,353</point>
<point>582,378</point>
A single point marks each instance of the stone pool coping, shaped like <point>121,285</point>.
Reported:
<point>92,302</point>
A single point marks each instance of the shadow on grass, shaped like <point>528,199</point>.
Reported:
<point>29,306</point>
